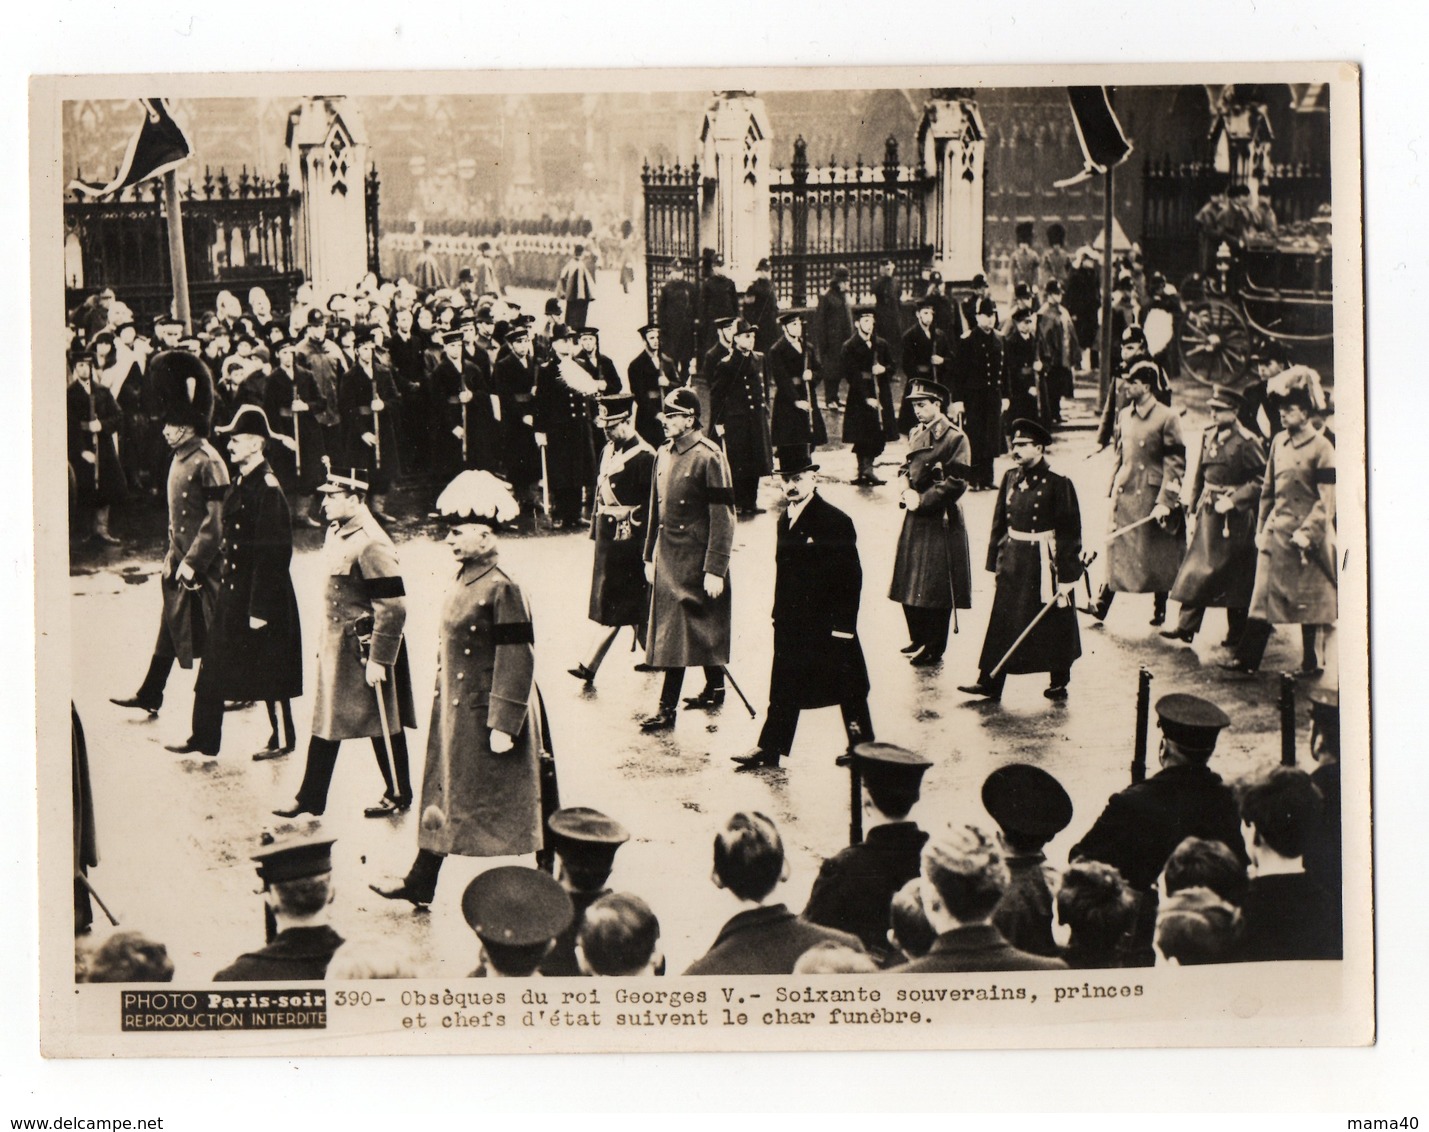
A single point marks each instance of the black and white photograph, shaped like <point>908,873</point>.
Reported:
<point>786,560</point>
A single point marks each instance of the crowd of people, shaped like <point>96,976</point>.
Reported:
<point>510,414</point>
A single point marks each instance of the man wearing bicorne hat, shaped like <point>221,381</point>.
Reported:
<point>361,653</point>
<point>1035,550</point>
<point>818,580</point>
<point>650,375</point>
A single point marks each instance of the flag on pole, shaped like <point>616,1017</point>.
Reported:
<point>1104,145</point>
<point>158,146</point>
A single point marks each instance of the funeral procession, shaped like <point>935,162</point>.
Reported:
<point>705,533</point>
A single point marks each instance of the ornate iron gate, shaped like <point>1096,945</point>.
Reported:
<point>672,226</point>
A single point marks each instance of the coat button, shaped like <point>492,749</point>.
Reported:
<point>467,651</point>
<point>455,700</point>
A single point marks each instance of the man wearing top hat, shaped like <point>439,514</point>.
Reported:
<point>650,375</point>
<point>761,308</point>
<point>189,580</point>
<point>1035,550</point>
<point>296,870</point>
<point>1027,394</point>
<point>790,369</point>
<point>1030,808</point>
<point>980,391</point>
<point>1219,567</point>
<point>585,841</point>
<point>361,653</point>
<point>833,326</point>
<point>818,661</point>
<point>932,572</point>
<point>688,538</point>
<point>1141,825</point>
<point>514,379</point>
<point>739,417</point>
<point>254,649</point>
<point>855,887</point>
<point>925,354</point>
<point>564,395</point>
<point>367,403</point>
<point>866,363</point>
<point>517,914</point>
<point>619,595</point>
<point>675,315</point>
<point>481,788</point>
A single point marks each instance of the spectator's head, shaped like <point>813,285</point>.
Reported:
<point>619,936</point>
<point>130,957</point>
<point>1278,814</point>
<point>832,958</point>
<point>749,857</point>
<point>1096,905</point>
<point>371,959</point>
<point>1196,926</point>
<point>296,870</point>
<point>586,841</point>
<point>1028,804</point>
<point>1190,727</point>
<point>1199,863</point>
<point>517,913</point>
<point>892,779</point>
<point>908,927</point>
<point>964,877</point>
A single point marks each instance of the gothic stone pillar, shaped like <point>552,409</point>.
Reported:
<point>954,149</point>
<point>734,146</point>
<point>327,145</point>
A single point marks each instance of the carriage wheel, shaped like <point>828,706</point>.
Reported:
<point>1215,343</point>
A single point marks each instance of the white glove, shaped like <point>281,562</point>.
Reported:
<point>256,623</point>
<point>376,673</point>
<point>1160,512</point>
<point>938,359</point>
<point>378,405</point>
<point>1005,404</point>
<point>802,405</point>
<point>87,456</point>
<point>369,439</point>
<point>911,499</point>
<point>650,573</point>
<point>714,585</point>
<point>458,432</point>
<point>96,426</point>
<point>879,370</point>
<point>540,440</point>
<point>299,405</point>
<point>464,396</point>
<point>1300,539</point>
<point>1223,504</point>
<point>501,742</point>
<point>185,572</point>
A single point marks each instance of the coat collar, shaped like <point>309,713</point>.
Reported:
<point>476,570</point>
<point>683,444</point>
<point>763,916</point>
<point>896,834</point>
<point>969,937</point>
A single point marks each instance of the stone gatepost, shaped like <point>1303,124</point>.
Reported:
<point>953,143</point>
<point>734,158</point>
<point>327,145</point>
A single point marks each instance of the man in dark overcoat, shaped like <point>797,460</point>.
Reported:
<point>514,379</point>
<point>1027,392</point>
<point>1219,567</point>
<point>980,392</point>
<point>833,326</point>
<point>464,435</point>
<point>869,422</point>
<point>361,653</point>
<point>818,580</point>
<point>761,308</point>
<point>190,577</point>
<point>888,305</point>
<point>740,418</point>
<point>1035,550</point>
<point>367,403</point>
<point>925,355</point>
<point>94,423</point>
<point>719,298</point>
<point>598,365</point>
<point>688,539</point>
<point>255,649</point>
<point>932,571</point>
<point>675,314</point>
<point>291,401</point>
<point>320,358</point>
<point>564,395</point>
<point>649,376</point>
<point>789,371</point>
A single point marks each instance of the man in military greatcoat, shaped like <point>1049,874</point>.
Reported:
<point>1059,350</point>
<point>361,653</point>
<point>619,595</point>
<point>740,419</point>
<point>932,572</point>
<point>1219,568</point>
<point>1027,393</point>
<point>925,354</point>
<point>980,392</point>
<point>789,370</point>
<point>762,308</point>
<point>564,395</point>
<point>719,297</point>
<point>818,580</point>
<point>1145,498</point>
<point>189,578</point>
<point>649,376</point>
<point>675,315</point>
<point>94,422</point>
<point>515,381</point>
<point>869,422</point>
<point>1035,551</point>
<point>598,365</point>
<point>688,539</point>
<point>320,358</point>
<point>254,649</point>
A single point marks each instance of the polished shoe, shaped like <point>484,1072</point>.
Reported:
<point>1055,691</point>
<point>926,659</point>
<point>238,705</point>
<point>709,698</point>
<point>754,759</point>
<point>388,808</point>
<point>136,702</point>
<point>106,538</point>
<point>1178,635</point>
<point>272,751</point>
<point>581,672</point>
<point>398,889</point>
<point>296,810</point>
<point>1238,667</point>
<point>662,720</point>
<point>643,667</point>
<point>873,480</point>
<point>187,748</point>
<point>910,649</point>
<point>383,517</point>
<point>1158,618</point>
<point>1097,611</point>
<point>981,689</point>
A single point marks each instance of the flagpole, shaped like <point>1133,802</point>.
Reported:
<point>178,267</point>
<point>1104,377</point>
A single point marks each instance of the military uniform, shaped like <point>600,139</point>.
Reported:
<point>297,954</point>
<point>855,887</point>
<point>514,379</point>
<point>563,414</point>
<point>868,427</point>
<point>278,397</point>
<point>357,389</point>
<point>676,316</point>
<point>788,369</point>
<point>1150,463</point>
<point>198,481</point>
<point>89,450</point>
<point>739,416</point>
<point>650,378</point>
<point>919,348</point>
<point>979,385</point>
<point>323,362</point>
<point>832,327</point>
<point>618,593</point>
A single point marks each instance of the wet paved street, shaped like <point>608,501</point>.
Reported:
<point>175,832</point>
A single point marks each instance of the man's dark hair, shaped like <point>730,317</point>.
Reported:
<point>130,957</point>
<point>908,921</point>
<point>965,867</point>
<point>619,934</point>
<point>1197,926</point>
<point>1200,863</point>
<point>749,855</point>
<point>305,896</point>
<point>517,962</point>
<point>1284,807</point>
<point>1096,904</point>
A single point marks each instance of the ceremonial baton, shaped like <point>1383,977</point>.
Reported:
<point>733,683</point>
<point>1060,597</point>
<point>1130,527</point>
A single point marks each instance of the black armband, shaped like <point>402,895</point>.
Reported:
<point>379,588</point>
<point>514,633</point>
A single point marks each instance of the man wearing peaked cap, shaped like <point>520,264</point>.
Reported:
<point>1141,825</point>
<point>866,362</point>
<point>517,913</point>
<point>739,416</point>
<point>296,870</point>
<point>254,649</point>
<point>791,369</point>
<point>361,652</point>
<point>1031,808</point>
<point>855,887</point>
<point>818,661</point>
<point>585,842</point>
<point>721,345</point>
<point>980,390</point>
<point>650,375</point>
<point>369,405</point>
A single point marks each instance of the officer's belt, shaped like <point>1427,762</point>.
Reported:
<point>1043,539</point>
<point>1031,536</point>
